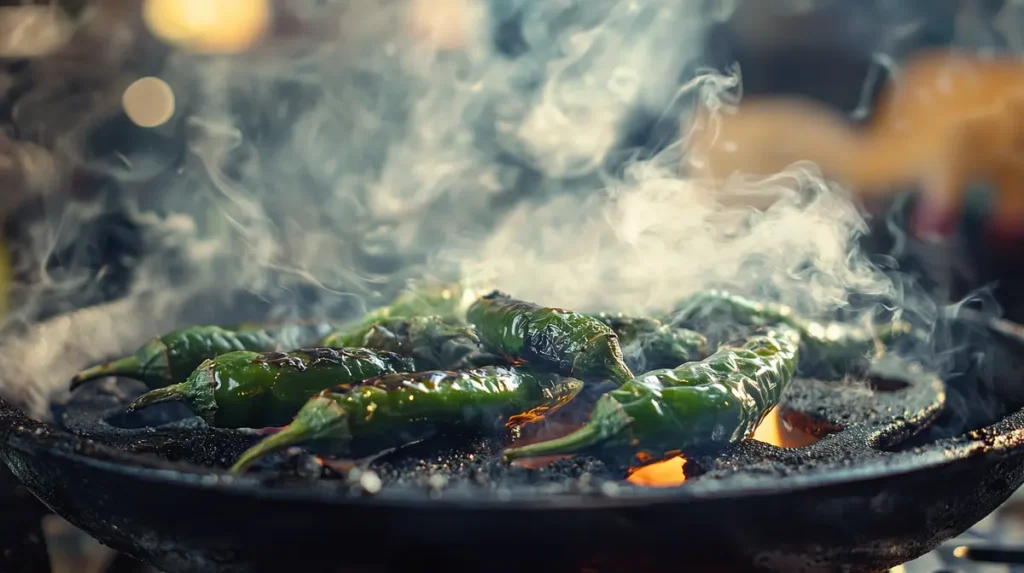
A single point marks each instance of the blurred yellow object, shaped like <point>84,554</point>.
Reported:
<point>442,23</point>
<point>149,102</point>
<point>209,26</point>
<point>6,276</point>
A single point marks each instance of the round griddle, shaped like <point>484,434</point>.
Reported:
<point>878,489</point>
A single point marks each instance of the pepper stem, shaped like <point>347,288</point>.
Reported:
<point>607,421</point>
<point>321,418</point>
<point>128,365</point>
<point>171,393</point>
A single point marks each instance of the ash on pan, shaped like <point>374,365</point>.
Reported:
<point>873,492</point>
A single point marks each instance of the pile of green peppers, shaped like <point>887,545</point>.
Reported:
<point>435,360</point>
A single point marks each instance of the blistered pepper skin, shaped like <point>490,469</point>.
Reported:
<point>712,402</point>
<point>441,300</point>
<point>172,357</point>
<point>434,342</point>
<point>254,390</point>
<point>396,409</point>
<point>647,343</point>
<point>560,341</point>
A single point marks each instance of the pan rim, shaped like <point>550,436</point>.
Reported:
<point>1008,432</point>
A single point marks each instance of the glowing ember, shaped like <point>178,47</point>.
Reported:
<point>669,473</point>
<point>536,426</point>
<point>662,474</point>
<point>775,431</point>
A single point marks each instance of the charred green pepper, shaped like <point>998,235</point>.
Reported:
<point>446,300</point>
<point>835,344</point>
<point>715,401</point>
<point>434,342</point>
<point>170,358</point>
<point>648,344</point>
<point>396,409</point>
<point>560,341</point>
<point>254,390</point>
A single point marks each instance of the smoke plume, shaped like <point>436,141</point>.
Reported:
<point>318,180</point>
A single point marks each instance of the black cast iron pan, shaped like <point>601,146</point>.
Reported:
<point>874,492</point>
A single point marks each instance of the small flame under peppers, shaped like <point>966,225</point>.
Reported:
<point>172,357</point>
<point>552,339</point>
<point>395,409</point>
<point>715,401</point>
<point>254,390</point>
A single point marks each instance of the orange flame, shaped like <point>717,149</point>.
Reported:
<point>669,473</point>
<point>516,421</point>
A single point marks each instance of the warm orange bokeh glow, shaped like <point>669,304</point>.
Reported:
<point>951,119</point>
<point>220,27</point>
<point>669,473</point>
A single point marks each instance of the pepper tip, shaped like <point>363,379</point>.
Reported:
<point>167,394</point>
<point>320,418</point>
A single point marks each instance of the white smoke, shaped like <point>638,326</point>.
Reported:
<point>345,169</point>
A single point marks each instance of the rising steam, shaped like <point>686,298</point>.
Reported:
<point>324,180</point>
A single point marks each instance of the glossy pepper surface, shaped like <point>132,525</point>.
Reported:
<point>715,401</point>
<point>560,341</point>
<point>435,343</point>
<point>444,300</point>
<point>396,409</point>
<point>254,390</point>
<point>172,357</point>
<point>648,344</point>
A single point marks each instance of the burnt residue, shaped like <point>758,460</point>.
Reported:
<point>870,423</point>
<point>281,359</point>
<point>875,491</point>
<point>324,355</point>
<point>314,357</point>
<point>846,504</point>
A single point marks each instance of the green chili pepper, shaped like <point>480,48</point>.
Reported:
<point>170,358</point>
<point>715,401</point>
<point>561,341</point>
<point>445,300</point>
<point>434,342</point>
<point>254,390</point>
<point>396,409</point>
<point>834,343</point>
<point>651,344</point>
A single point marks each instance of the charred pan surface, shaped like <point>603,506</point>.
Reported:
<point>840,507</point>
<point>860,499</point>
<point>170,430</point>
<point>876,420</point>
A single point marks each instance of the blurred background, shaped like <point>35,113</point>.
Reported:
<point>119,116</point>
<point>303,156</point>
